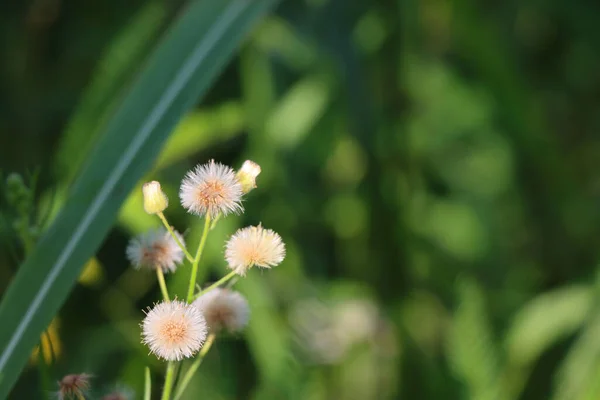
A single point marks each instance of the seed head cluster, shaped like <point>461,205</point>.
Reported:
<point>176,330</point>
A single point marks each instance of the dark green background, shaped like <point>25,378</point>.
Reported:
<point>431,165</point>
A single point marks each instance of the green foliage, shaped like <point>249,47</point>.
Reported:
<point>471,347</point>
<point>431,165</point>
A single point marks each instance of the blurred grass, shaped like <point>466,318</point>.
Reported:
<point>432,166</point>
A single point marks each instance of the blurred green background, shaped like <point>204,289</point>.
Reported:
<point>432,166</point>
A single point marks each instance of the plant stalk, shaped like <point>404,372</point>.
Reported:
<point>194,273</point>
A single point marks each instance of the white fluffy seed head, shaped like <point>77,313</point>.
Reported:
<point>224,309</point>
<point>155,249</point>
<point>174,330</point>
<point>252,246</point>
<point>211,189</point>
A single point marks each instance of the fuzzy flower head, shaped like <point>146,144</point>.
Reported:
<point>224,309</point>
<point>247,175</point>
<point>155,200</point>
<point>73,386</point>
<point>120,394</point>
<point>155,249</point>
<point>174,330</point>
<point>211,189</point>
<point>252,246</point>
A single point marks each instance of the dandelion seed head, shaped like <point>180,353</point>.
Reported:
<point>211,189</point>
<point>252,246</point>
<point>224,309</point>
<point>155,249</point>
<point>73,386</point>
<point>174,330</point>
<point>119,395</point>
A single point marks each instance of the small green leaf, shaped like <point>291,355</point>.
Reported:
<point>545,320</point>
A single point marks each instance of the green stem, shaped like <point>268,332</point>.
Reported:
<point>214,223</point>
<point>181,246</point>
<point>216,284</point>
<point>44,375</point>
<point>161,282</point>
<point>147,384</point>
<point>189,374</point>
<point>192,286</point>
<point>168,381</point>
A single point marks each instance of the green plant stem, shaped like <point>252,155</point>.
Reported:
<point>170,229</point>
<point>192,286</point>
<point>189,374</point>
<point>166,395</point>
<point>214,223</point>
<point>161,282</point>
<point>147,384</point>
<point>216,284</point>
<point>44,375</point>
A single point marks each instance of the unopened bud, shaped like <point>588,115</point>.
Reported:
<point>155,200</point>
<point>247,175</point>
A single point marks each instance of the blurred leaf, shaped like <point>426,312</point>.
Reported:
<point>545,320</point>
<point>181,69</point>
<point>115,69</point>
<point>300,109</point>
<point>472,351</point>
<point>578,373</point>
<point>201,128</point>
<point>268,341</point>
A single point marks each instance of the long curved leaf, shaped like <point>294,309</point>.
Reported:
<point>180,70</point>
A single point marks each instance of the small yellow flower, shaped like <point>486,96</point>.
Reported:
<point>252,246</point>
<point>247,175</point>
<point>155,200</point>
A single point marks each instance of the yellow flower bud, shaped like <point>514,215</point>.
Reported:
<point>247,175</point>
<point>155,200</point>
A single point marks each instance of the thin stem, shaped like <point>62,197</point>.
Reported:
<point>190,294</point>
<point>44,375</point>
<point>147,384</point>
<point>161,282</point>
<point>216,284</point>
<point>178,370</point>
<point>181,246</point>
<point>189,374</point>
<point>214,223</point>
<point>80,396</point>
<point>168,381</point>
